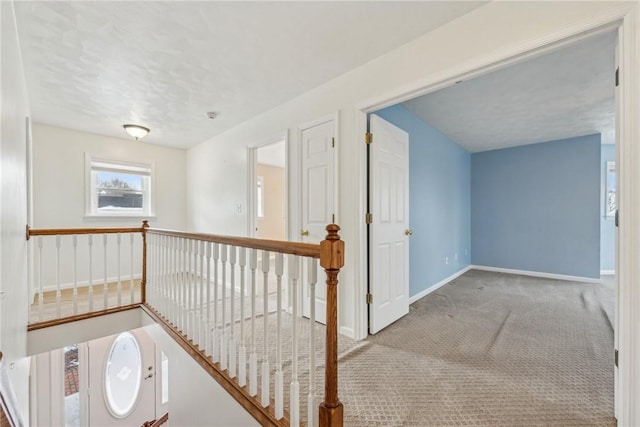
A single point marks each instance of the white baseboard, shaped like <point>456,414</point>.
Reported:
<point>440,284</point>
<point>537,274</point>
<point>607,272</point>
<point>85,283</point>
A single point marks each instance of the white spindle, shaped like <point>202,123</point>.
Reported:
<point>215,339</point>
<point>75,274</point>
<point>90,242</point>
<point>224,341</point>
<point>279,379</point>
<point>312,401</point>
<point>253,357</point>
<point>194,291</point>
<point>58,289</point>
<point>190,288</point>
<point>41,280</point>
<point>201,328</point>
<point>175,283</point>
<point>232,319</point>
<point>208,327</point>
<point>294,399</point>
<point>131,283</point>
<point>265,341</point>
<point>185,281</point>
<point>105,286</point>
<point>119,289</point>
<point>242,363</point>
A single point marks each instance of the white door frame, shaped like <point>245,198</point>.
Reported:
<point>252,162</point>
<point>627,20</point>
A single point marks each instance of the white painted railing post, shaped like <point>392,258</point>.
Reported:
<point>224,341</point>
<point>265,336</point>
<point>312,401</point>
<point>279,378</point>
<point>232,319</point>
<point>253,357</point>
<point>242,363</point>
<point>294,390</point>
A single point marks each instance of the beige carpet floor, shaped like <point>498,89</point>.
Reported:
<point>489,349</point>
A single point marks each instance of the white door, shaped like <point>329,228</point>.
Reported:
<point>389,230</point>
<point>317,197</point>
<point>122,380</point>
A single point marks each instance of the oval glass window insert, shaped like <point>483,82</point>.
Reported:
<point>123,375</point>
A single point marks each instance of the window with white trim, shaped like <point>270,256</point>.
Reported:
<point>117,188</point>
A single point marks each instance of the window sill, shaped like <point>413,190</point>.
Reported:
<point>120,216</point>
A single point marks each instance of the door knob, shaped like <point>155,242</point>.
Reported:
<point>408,232</point>
<point>304,232</point>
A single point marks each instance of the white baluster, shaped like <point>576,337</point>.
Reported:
<point>232,319</point>
<point>190,289</point>
<point>119,288</point>
<point>253,357</point>
<point>105,286</point>
<point>131,282</point>
<point>242,363</point>
<point>279,379</point>
<point>58,290</point>
<point>208,327</point>
<point>185,283</point>
<point>266,381</point>
<point>194,292</point>
<point>41,280</point>
<point>312,401</point>
<point>201,328</point>
<point>294,399</point>
<point>90,242</point>
<point>175,281</point>
<point>225,339</point>
<point>75,274</point>
<point>215,339</point>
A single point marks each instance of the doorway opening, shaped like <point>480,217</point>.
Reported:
<point>450,243</point>
<point>268,192</point>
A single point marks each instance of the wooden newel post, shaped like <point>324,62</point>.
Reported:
<point>143,281</point>
<point>332,260</point>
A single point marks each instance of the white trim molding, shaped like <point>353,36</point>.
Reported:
<point>438,285</point>
<point>536,274</point>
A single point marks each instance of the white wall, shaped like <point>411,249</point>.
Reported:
<point>217,168</point>
<point>13,212</point>
<point>59,198</point>
<point>195,398</point>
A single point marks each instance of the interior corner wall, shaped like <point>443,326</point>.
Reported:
<point>607,225</point>
<point>439,201</point>
<point>59,178</point>
<point>537,207</point>
<point>13,212</point>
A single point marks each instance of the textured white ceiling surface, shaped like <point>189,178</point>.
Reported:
<point>94,66</point>
<point>562,94</point>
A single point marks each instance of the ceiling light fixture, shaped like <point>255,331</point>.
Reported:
<point>136,131</point>
<point>212,115</point>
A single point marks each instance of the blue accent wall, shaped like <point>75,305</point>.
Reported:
<point>439,207</point>
<point>607,225</point>
<point>537,207</point>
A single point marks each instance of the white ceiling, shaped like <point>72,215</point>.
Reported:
<point>94,66</point>
<point>562,94</point>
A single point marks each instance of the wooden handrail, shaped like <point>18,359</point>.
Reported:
<point>77,231</point>
<point>293,248</point>
<point>156,423</point>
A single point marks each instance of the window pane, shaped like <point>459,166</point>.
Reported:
<point>123,375</point>
<point>119,191</point>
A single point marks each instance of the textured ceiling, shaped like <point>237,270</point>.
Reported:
<point>94,66</point>
<point>566,93</point>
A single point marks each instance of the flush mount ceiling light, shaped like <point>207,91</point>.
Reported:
<point>212,114</point>
<point>136,131</point>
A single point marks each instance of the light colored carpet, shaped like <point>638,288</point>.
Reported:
<point>489,349</point>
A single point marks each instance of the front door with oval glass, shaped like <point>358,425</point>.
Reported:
<point>122,380</point>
